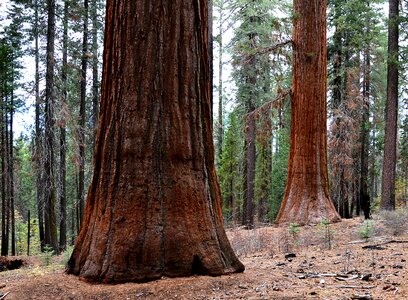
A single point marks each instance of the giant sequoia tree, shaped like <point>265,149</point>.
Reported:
<point>153,207</point>
<point>306,197</point>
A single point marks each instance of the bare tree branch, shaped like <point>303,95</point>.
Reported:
<point>269,105</point>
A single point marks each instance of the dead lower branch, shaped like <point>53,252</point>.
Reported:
<point>269,105</point>
<point>274,47</point>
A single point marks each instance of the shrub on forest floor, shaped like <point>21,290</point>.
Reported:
<point>245,242</point>
<point>283,242</point>
<point>396,222</point>
<point>66,255</point>
<point>326,233</point>
<point>366,230</point>
<point>47,255</point>
<point>294,229</point>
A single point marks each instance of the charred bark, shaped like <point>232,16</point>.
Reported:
<point>154,178</point>
<point>306,198</point>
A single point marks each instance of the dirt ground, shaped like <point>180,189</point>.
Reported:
<point>279,265</point>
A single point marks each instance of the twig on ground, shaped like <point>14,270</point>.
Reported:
<point>364,287</point>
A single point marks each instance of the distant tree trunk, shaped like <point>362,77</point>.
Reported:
<point>337,70</point>
<point>11,178</point>
<point>73,231</point>
<point>220,126</point>
<point>230,199</point>
<point>95,80</point>
<point>250,138</point>
<point>7,175</point>
<point>306,197</point>
<point>391,111</point>
<point>63,139</point>
<point>350,133</point>
<point>337,172</point>
<point>352,92</point>
<point>340,193</point>
<point>28,232</point>
<point>82,117</point>
<point>38,143</point>
<point>364,195</point>
<point>49,164</point>
<point>154,180</point>
<point>265,172</point>
<point>4,204</point>
<point>210,48</point>
<point>249,169</point>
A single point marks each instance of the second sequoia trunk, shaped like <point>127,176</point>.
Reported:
<point>306,198</point>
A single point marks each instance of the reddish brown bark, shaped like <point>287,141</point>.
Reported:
<point>154,205</point>
<point>306,197</point>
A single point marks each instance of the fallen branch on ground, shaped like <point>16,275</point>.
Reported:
<point>354,287</point>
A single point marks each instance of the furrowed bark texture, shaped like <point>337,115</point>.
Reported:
<point>306,198</point>
<point>154,205</point>
<point>50,218</point>
<point>391,111</point>
<point>63,138</point>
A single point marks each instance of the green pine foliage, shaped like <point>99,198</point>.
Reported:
<point>24,177</point>
<point>251,61</point>
<point>231,169</point>
<point>260,73</point>
<point>279,171</point>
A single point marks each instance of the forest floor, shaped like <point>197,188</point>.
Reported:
<point>279,265</point>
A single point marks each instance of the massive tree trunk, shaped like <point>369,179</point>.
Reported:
<point>306,198</point>
<point>154,179</point>
<point>391,111</point>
